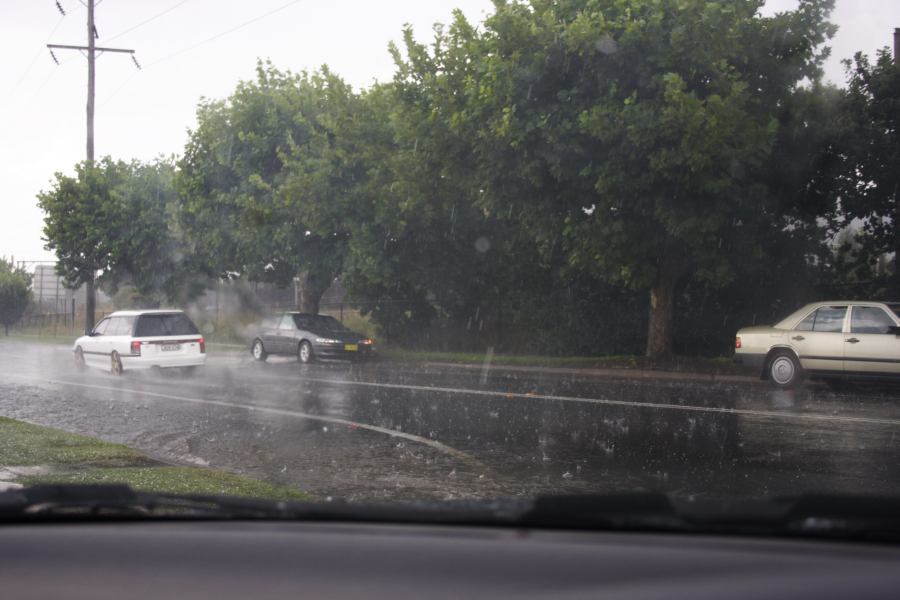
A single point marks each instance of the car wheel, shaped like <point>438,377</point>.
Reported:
<point>79,359</point>
<point>305,352</point>
<point>115,364</point>
<point>784,370</point>
<point>258,351</point>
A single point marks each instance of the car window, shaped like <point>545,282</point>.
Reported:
<point>870,319</point>
<point>546,236</point>
<point>323,323</point>
<point>826,319</point>
<point>164,324</point>
<point>114,327</point>
<point>807,323</point>
<point>895,308</point>
<point>120,326</point>
<point>100,329</point>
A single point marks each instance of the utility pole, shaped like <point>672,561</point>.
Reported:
<point>90,51</point>
<point>897,45</point>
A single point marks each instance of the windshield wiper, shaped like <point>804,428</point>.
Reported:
<point>868,518</point>
<point>76,501</point>
<point>865,518</point>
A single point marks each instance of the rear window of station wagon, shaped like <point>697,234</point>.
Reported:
<point>164,324</point>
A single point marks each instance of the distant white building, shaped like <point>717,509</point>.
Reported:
<point>50,296</point>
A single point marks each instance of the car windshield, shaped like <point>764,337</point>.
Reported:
<point>452,250</point>
<point>319,322</point>
<point>895,308</point>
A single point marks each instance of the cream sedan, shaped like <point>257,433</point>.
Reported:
<point>825,339</point>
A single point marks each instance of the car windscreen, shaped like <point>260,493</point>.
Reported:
<point>318,323</point>
<point>895,308</point>
<point>164,324</point>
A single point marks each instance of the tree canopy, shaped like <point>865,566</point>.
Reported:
<point>113,220</point>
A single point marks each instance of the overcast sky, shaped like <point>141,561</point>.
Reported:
<point>201,48</point>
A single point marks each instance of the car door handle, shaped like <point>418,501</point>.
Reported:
<point>852,341</point>
<point>798,338</point>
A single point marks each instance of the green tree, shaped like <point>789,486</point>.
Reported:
<point>259,178</point>
<point>421,246</point>
<point>153,256</point>
<point>870,180</point>
<point>110,224</point>
<point>14,293</point>
<point>634,135</point>
<point>82,225</point>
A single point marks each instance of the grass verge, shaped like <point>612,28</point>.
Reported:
<point>690,364</point>
<point>71,458</point>
<point>15,336</point>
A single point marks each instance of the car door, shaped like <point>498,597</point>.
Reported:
<point>96,348</point>
<point>119,334</point>
<point>871,346</point>
<point>270,335</point>
<point>819,339</point>
<point>287,334</point>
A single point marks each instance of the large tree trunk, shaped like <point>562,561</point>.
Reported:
<point>313,285</point>
<point>90,304</point>
<point>659,328</point>
<point>670,270</point>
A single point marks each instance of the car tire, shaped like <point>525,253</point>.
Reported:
<point>784,370</point>
<point>258,351</point>
<point>80,364</point>
<point>115,364</point>
<point>305,352</point>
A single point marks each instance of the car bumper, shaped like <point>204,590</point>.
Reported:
<point>145,362</point>
<point>339,351</point>
<point>754,362</point>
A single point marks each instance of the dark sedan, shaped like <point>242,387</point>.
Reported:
<point>307,337</point>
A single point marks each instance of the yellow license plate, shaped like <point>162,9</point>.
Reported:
<point>351,347</point>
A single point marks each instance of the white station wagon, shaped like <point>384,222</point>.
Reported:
<point>141,339</point>
<point>825,339</point>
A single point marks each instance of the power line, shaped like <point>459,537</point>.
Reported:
<point>224,33</point>
<point>198,44</point>
<point>148,20</point>
<point>37,55</point>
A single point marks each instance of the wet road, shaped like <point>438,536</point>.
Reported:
<point>400,431</point>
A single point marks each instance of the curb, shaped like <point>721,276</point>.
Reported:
<point>619,373</point>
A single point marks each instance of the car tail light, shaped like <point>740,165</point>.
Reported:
<point>202,343</point>
<point>368,341</point>
<point>737,342</point>
<point>136,348</point>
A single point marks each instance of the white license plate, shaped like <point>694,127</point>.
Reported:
<point>170,347</point>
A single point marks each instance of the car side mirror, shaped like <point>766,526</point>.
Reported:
<point>894,330</point>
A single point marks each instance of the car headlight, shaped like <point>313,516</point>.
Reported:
<point>327,341</point>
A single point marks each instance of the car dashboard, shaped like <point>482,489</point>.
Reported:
<point>263,560</point>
